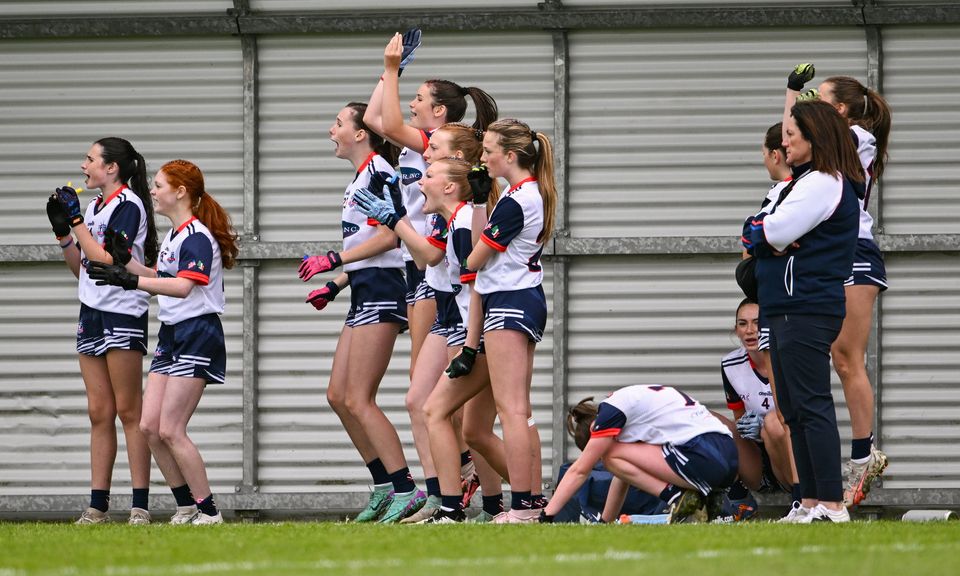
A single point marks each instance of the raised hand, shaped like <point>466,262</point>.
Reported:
<point>58,218</point>
<point>313,265</point>
<point>800,75</point>
<point>321,297</point>
<point>112,274</point>
<point>480,183</point>
<point>70,203</point>
<point>116,246</point>
<point>410,42</point>
<point>462,363</point>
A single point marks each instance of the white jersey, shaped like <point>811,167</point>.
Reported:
<point>412,168</point>
<point>867,151</point>
<point>123,212</point>
<point>191,252</point>
<point>743,386</point>
<point>459,246</point>
<point>654,415</point>
<point>774,195</point>
<point>436,276</point>
<point>514,231</point>
<point>357,228</point>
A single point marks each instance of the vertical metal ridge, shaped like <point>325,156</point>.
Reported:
<point>874,373</point>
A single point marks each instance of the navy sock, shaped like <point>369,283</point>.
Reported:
<point>402,481</point>
<point>208,506</point>
<point>796,494</point>
<point>521,500</point>
<point>738,491</point>
<point>141,497</point>
<point>669,493</point>
<point>465,457</point>
<point>537,501</point>
<point>860,447</point>
<point>378,472</point>
<point>433,486</point>
<point>451,502</point>
<point>493,505</point>
<point>100,499</point>
<point>183,496</point>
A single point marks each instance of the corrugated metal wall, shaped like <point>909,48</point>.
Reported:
<point>662,135</point>
<point>46,8</point>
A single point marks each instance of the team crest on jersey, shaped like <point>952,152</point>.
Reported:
<point>494,230</point>
<point>349,228</point>
<point>409,175</point>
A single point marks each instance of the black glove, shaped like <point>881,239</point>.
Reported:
<point>70,202</point>
<point>411,41</point>
<point>462,364</point>
<point>800,75</point>
<point>116,246</point>
<point>58,218</point>
<point>545,518</point>
<point>480,183</point>
<point>112,274</point>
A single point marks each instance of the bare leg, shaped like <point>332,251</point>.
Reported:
<point>420,319</point>
<point>776,439</point>
<point>479,416</point>
<point>126,376</point>
<point>509,351</point>
<point>642,465</point>
<point>430,364</point>
<point>849,352</point>
<point>102,410</point>
<point>150,427</point>
<point>180,399</point>
<point>337,397</point>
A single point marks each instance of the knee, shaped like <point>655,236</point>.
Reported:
<point>773,430</point>
<point>431,413</point>
<point>129,415</point>
<point>169,434</point>
<point>416,406</point>
<point>150,431</point>
<point>355,405</point>
<point>102,415</point>
<point>337,400</point>
<point>477,438</point>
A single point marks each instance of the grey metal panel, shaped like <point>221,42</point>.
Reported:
<point>698,3</point>
<point>306,80</point>
<point>921,397</point>
<point>45,434</point>
<point>275,6</point>
<point>47,8</point>
<point>666,125</point>
<point>919,186</point>
<point>170,99</point>
<point>655,320</point>
<point>302,445</point>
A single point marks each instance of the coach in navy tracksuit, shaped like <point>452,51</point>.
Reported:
<point>804,249</point>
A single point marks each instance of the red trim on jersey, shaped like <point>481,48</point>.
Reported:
<point>521,183</point>
<point>605,433</point>
<point>492,243</point>
<point>752,365</point>
<point>365,162</point>
<point>201,279</point>
<point>103,202</point>
<point>787,179</point>
<point>454,214</point>
<point>372,222</point>
<point>426,139</point>
<point>185,224</point>
<point>736,405</point>
<point>436,243</point>
<point>464,278</point>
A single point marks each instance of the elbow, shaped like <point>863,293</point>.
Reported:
<point>434,258</point>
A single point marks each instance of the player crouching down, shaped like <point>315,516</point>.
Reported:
<point>661,441</point>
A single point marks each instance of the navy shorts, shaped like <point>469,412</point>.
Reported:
<point>444,302</point>
<point>99,331</point>
<point>521,310</point>
<point>413,276</point>
<point>868,267</point>
<point>377,296</point>
<point>763,338</point>
<point>708,461</point>
<point>192,348</point>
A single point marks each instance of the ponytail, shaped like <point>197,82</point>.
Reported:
<point>453,97</point>
<point>579,421</point>
<point>543,171</point>
<point>868,109</point>
<point>133,173</point>
<point>205,208</point>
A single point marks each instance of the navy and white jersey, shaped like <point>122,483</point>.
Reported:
<point>743,386</point>
<point>357,228</point>
<point>191,252</point>
<point>437,276</point>
<point>412,168</point>
<point>123,211</point>
<point>459,246</point>
<point>867,151</point>
<point>773,195</point>
<point>654,415</point>
<point>514,231</point>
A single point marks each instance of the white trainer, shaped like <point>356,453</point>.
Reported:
<point>184,515</point>
<point>139,517</point>
<point>823,514</point>
<point>796,514</point>
<point>203,519</point>
<point>93,516</point>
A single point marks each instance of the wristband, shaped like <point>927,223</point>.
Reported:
<point>68,244</point>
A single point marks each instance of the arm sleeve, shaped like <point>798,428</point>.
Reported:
<point>610,421</point>
<point>734,402</point>
<point>505,224</point>
<point>812,201</point>
<point>125,220</point>
<point>462,246</point>
<point>438,233</point>
<point>196,256</point>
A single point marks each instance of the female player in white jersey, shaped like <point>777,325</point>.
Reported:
<point>191,353</point>
<point>657,439</point>
<point>869,117</point>
<point>111,333</point>
<point>374,268</point>
<point>766,463</point>
<point>514,311</point>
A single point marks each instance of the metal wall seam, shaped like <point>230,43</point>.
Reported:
<point>873,352</point>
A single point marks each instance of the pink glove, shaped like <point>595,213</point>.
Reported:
<point>313,265</point>
<point>323,296</point>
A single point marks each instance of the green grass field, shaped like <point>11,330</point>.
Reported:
<point>875,548</point>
